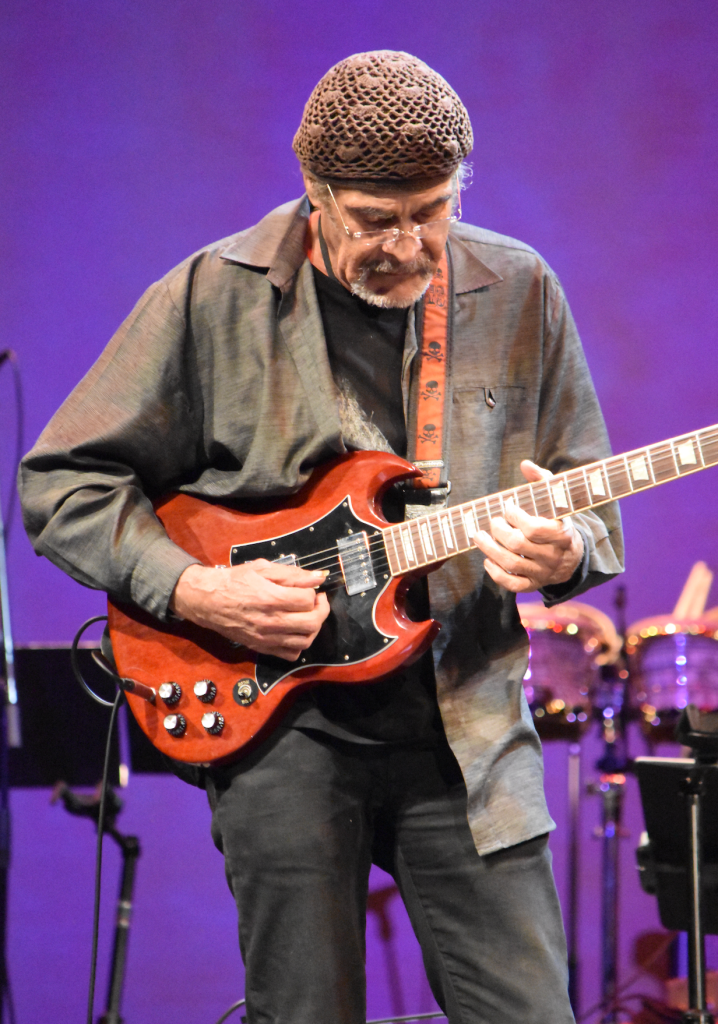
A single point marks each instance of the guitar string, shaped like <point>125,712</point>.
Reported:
<point>375,543</point>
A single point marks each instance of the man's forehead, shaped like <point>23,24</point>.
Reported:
<point>388,199</point>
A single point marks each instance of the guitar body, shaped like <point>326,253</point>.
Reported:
<point>367,636</point>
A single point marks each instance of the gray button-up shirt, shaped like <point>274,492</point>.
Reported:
<point>218,384</point>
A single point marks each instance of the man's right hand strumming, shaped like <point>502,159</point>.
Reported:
<point>270,608</point>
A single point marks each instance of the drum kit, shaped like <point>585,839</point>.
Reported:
<point>582,670</point>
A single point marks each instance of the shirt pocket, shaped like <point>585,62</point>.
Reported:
<point>488,437</point>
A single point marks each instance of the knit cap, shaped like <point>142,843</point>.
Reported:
<point>383,118</point>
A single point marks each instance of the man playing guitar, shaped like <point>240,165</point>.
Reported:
<point>363,318</point>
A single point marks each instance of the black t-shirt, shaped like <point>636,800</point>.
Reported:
<point>366,349</point>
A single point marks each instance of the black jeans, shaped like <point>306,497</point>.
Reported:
<point>300,821</point>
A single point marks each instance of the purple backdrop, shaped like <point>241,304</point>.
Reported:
<point>133,133</point>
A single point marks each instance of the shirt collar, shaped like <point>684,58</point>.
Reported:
<point>277,244</point>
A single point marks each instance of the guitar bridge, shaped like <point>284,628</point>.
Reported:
<point>356,563</point>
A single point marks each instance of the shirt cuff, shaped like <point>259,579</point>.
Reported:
<point>155,576</point>
<point>558,592</point>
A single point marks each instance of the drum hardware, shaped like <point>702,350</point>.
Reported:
<point>674,659</point>
<point>674,662</point>
<point>568,645</point>
<point>612,709</point>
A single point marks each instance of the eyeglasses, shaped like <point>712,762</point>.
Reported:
<point>390,236</point>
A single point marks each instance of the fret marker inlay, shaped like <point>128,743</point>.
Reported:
<point>596,481</point>
<point>407,545</point>
<point>469,524</point>
<point>686,453</point>
<point>428,545</point>
<point>559,495</point>
<point>639,469</point>
<point>446,530</point>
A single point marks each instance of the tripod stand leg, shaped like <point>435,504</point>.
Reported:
<point>574,813</point>
<point>130,847</point>
<point>698,1013</point>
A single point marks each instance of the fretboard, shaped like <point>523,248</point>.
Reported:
<point>441,535</point>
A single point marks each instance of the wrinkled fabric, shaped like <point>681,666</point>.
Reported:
<point>218,384</point>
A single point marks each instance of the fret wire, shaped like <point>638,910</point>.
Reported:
<point>709,441</point>
<point>452,531</point>
<point>435,528</point>
<point>397,560</point>
<point>624,460</point>
<point>640,455</point>
<point>578,488</point>
<point>407,546</point>
<point>605,472</point>
<point>560,483</point>
<point>397,547</point>
<point>524,499</point>
<point>457,519</point>
<point>649,460</point>
<point>386,538</point>
<point>537,487</point>
<point>418,541</point>
<point>490,503</point>
<point>469,520</point>
<point>697,443</point>
<point>483,514</point>
<point>664,463</point>
<point>427,539</point>
<point>448,542</point>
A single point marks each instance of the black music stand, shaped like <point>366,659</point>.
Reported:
<point>679,863</point>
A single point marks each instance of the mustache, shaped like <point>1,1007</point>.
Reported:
<point>421,264</point>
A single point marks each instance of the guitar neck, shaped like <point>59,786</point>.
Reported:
<point>440,535</point>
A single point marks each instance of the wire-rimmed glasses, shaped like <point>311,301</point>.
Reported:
<point>390,236</point>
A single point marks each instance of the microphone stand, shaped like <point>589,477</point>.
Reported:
<point>9,737</point>
<point>89,807</point>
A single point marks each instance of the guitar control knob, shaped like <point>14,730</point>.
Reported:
<point>175,724</point>
<point>170,693</point>
<point>213,722</point>
<point>205,690</point>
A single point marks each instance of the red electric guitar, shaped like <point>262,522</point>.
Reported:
<point>201,699</point>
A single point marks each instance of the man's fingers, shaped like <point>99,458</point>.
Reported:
<point>504,559</point>
<point>533,473</point>
<point>509,581</point>
<point>288,575</point>
<point>286,636</point>
<point>526,535</point>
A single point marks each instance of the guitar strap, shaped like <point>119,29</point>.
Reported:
<point>428,426</point>
<point>429,396</point>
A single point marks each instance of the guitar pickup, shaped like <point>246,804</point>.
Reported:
<point>356,563</point>
<point>286,560</point>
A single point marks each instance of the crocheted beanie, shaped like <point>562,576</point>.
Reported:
<point>383,117</point>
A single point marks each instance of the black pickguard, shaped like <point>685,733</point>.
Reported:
<point>349,634</point>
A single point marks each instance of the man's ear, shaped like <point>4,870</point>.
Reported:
<point>313,190</point>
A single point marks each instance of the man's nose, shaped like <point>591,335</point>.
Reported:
<point>405,248</point>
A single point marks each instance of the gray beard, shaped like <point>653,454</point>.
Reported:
<point>362,291</point>
<point>358,431</point>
